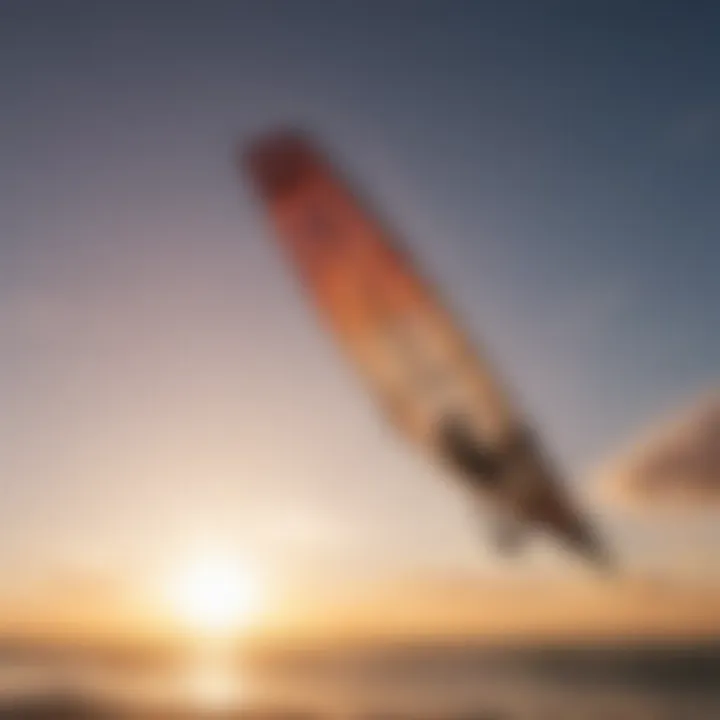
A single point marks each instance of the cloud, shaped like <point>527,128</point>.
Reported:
<point>675,465</point>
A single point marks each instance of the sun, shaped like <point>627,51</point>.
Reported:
<point>215,595</point>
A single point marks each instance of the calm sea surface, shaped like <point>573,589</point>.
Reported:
<point>430,681</point>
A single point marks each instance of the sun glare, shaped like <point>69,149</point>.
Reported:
<point>215,596</point>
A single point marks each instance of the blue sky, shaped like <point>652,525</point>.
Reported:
<point>553,165</point>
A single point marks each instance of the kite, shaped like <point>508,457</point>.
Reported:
<point>436,388</point>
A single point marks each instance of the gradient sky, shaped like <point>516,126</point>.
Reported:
<point>553,165</point>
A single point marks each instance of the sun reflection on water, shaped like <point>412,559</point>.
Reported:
<point>213,681</point>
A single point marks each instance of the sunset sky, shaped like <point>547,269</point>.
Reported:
<point>165,389</point>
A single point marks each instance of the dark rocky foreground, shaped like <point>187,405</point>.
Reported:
<point>74,709</point>
<point>69,708</point>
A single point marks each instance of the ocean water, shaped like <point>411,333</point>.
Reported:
<point>430,681</point>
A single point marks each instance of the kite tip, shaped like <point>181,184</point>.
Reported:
<point>276,159</point>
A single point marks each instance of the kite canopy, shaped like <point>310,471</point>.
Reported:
<point>414,359</point>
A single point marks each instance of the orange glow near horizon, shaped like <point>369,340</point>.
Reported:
<point>213,600</point>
